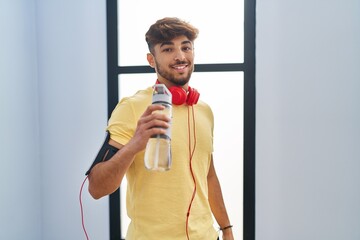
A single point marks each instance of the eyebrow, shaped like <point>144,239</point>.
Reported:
<point>171,43</point>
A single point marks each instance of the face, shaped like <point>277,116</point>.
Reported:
<point>173,61</point>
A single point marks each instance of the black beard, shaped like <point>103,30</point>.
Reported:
<point>179,81</point>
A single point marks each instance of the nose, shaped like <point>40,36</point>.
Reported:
<point>179,55</point>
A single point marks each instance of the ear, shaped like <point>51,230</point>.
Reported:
<point>151,60</point>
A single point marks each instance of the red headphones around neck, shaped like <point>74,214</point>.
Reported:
<point>180,96</point>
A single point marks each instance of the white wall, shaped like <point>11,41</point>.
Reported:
<point>308,115</point>
<point>20,175</point>
<point>53,115</point>
<point>72,80</point>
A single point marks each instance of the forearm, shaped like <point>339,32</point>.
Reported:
<point>107,176</point>
<point>217,204</point>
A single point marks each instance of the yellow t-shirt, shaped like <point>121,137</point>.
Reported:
<point>157,202</point>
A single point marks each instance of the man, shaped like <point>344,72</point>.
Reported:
<point>177,204</point>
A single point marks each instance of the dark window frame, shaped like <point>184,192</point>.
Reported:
<point>248,67</point>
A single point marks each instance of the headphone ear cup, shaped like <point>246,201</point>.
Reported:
<point>178,95</point>
<point>193,96</point>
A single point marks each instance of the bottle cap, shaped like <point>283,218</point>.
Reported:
<point>161,94</point>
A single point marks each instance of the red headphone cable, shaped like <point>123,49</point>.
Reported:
<point>82,210</point>
<point>191,154</point>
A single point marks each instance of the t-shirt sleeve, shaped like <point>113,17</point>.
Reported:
<point>122,123</point>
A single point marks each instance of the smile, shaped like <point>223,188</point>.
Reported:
<point>179,67</point>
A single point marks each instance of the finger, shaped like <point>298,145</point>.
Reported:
<point>151,108</point>
<point>156,131</point>
<point>154,123</point>
<point>158,116</point>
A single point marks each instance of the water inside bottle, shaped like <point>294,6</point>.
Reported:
<point>158,154</point>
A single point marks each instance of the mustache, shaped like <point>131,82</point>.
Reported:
<point>181,62</point>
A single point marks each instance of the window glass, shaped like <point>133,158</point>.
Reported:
<point>221,28</point>
<point>223,91</point>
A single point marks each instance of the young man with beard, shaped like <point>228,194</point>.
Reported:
<point>177,204</point>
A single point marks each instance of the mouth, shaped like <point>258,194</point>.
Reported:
<point>179,67</point>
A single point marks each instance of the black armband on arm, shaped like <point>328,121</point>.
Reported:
<point>106,152</point>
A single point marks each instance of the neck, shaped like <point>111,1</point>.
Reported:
<point>169,84</point>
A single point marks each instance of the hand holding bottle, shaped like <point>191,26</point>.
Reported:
<point>152,122</point>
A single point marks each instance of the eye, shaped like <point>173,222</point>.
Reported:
<point>187,49</point>
<point>167,50</point>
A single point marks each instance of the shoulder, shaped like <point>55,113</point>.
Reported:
<point>204,112</point>
<point>140,97</point>
<point>133,106</point>
<point>204,107</point>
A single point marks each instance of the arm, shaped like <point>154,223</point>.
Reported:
<point>106,176</point>
<point>217,203</point>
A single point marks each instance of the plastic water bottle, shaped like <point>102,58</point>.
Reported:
<point>158,149</point>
